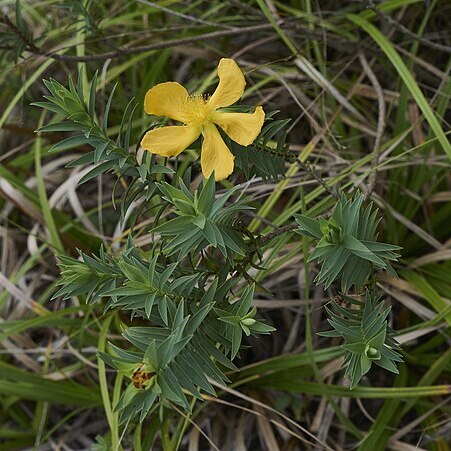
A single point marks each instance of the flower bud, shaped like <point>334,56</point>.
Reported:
<point>372,353</point>
<point>143,376</point>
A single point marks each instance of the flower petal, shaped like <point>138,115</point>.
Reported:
<point>171,140</point>
<point>243,128</point>
<point>231,84</point>
<point>167,99</point>
<point>215,155</point>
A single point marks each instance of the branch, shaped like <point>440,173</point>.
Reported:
<point>124,51</point>
<point>293,22</point>
<point>403,29</point>
<point>269,236</point>
<point>22,36</point>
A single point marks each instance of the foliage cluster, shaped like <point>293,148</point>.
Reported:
<point>194,263</point>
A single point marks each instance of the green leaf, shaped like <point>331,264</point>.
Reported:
<point>308,226</point>
<point>100,169</point>
<point>359,249</point>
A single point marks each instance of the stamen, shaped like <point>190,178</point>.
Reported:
<point>197,109</point>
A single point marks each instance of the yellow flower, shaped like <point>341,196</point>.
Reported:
<point>200,115</point>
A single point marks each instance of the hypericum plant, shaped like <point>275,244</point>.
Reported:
<point>346,244</point>
<point>368,339</point>
<point>186,298</point>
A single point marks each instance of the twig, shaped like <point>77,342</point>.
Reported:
<point>308,168</point>
<point>403,29</point>
<point>342,45</point>
<point>23,37</point>
<point>269,236</point>
<point>292,158</point>
<point>138,49</point>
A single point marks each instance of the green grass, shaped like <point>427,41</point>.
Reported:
<point>304,62</point>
